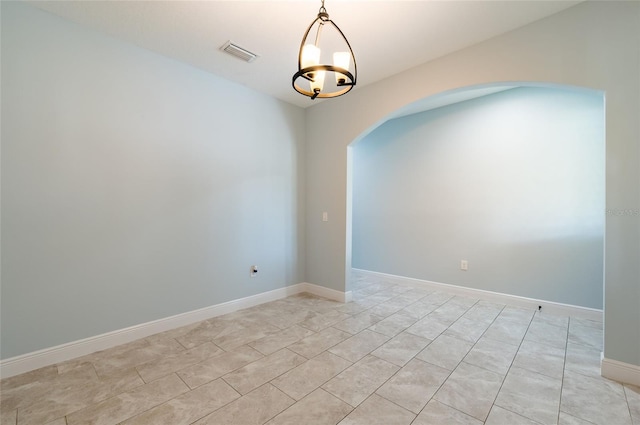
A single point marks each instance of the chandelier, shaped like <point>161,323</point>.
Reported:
<point>312,61</point>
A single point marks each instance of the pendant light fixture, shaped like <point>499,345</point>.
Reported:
<point>312,61</point>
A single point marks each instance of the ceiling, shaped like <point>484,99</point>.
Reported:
<point>387,37</point>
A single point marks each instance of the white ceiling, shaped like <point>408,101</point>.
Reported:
<point>387,37</point>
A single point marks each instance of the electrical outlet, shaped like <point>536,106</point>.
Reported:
<point>253,271</point>
<point>464,265</point>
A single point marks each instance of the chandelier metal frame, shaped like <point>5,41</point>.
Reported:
<point>345,81</point>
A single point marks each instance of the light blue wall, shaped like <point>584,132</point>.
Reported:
<point>512,182</point>
<point>134,187</point>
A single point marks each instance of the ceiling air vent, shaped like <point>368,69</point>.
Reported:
<point>239,52</point>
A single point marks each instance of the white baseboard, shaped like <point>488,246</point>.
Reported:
<point>48,356</point>
<point>321,291</point>
<point>547,306</point>
<point>620,371</point>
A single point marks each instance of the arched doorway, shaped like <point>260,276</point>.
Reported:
<point>513,179</point>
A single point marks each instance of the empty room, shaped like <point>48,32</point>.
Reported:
<point>320,212</point>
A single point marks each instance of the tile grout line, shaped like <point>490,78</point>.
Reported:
<point>624,391</point>
<point>353,363</point>
<point>509,369</point>
<point>453,370</point>
<point>564,366</point>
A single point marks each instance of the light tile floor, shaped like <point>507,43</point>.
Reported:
<point>396,355</point>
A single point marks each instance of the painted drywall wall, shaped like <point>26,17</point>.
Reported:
<point>512,182</point>
<point>594,45</point>
<point>134,187</point>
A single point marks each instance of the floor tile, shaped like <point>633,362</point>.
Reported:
<point>566,419</point>
<point>385,309</point>
<point>597,324</point>
<point>399,302</point>
<point>304,379</point>
<point>532,395</point>
<point>169,364</point>
<point>633,399</point>
<point>272,343</point>
<point>358,323</point>
<point>73,391</point>
<point>597,400</point>
<point>9,416</point>
<point>428,327</point>
<point>465,302</point>
<point>358,346</point>
<point>34,376</point>
<point>315,344</point>
<point>189,407</point>
<point>483,311</point>
<point>351,308</point>
<point>467,329</point>
<point>324,320</point>
<point>583,359</point>
<point>471,390</point>
<point>551,319</point>
<point>49,391</point>
<point>545,333</point>
<point>492,355</point>
<point>394,324</point>
<point>417,293</point>
<point>516,315</point>
<point>259,372</point>
<point>312,302</point>
<point>445,351</point>
<point>401,348</point>
<point>126,405</point>
<point>448,313</point>
<point>438,297</point>
<point>436,413</point>
<point>215,367</point>
<point>420,309</point>
<point>366,302</point>
<point>136,356</point>
<point>361,380</point>
<point>318,408</point>
<point>244,336</point>
<point>278,313</point>
<point>406,298</point>
<point>206,331</point>
<point>296,312</point>
<point>255,408</point>
<point>541,358</point>
<point>414,385</point>
<point>377,411</point>
<point>505,330</point>
<point>500,416</point>
<point>585,335</point>
<point>377,298</point>
<point>61,421</point>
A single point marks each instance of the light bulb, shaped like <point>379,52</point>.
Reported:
<point>318,81</point>
<point>310,56</point>
<point>341,60</point>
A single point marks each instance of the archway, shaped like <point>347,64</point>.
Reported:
<point>559,259</point>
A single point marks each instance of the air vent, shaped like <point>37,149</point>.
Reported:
<point>239,52</point>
